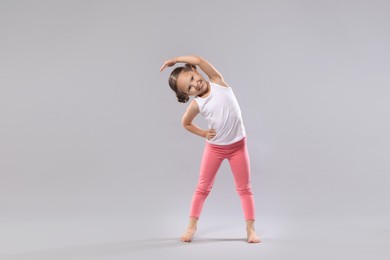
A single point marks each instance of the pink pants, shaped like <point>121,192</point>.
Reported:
<point>213,156</point>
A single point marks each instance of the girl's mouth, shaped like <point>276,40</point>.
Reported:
<point>200,86</point>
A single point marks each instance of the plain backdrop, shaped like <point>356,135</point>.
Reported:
<point>90,128</point>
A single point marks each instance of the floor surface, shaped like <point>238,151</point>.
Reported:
<point>121,238</point>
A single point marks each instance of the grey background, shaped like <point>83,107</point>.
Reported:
<point>94,163</point>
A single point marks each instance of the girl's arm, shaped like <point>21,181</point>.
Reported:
<point>213,74</point>
<point>191,112</point>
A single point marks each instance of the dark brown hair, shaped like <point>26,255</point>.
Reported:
<point>181,97</point>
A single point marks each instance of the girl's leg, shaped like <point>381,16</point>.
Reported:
<point>210,164</point>
<point>208,169</point>
<point>240,165</point>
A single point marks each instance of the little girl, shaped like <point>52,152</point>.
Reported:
<point>225,138</point>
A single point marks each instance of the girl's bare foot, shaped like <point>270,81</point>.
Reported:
<point>252,237</point>
<point>189,234</point>
<point>251,234</point>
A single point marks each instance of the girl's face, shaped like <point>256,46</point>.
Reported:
<point>192,83</point>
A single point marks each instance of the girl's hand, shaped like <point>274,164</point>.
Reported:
<point>210,134</point>
<point>168,63</point>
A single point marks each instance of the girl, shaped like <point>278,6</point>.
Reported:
<point>225,138</point>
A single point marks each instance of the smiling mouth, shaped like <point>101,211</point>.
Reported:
<point>200,85</point>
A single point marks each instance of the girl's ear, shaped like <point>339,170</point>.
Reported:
<point>191,66</point>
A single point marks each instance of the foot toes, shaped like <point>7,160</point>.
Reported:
<point>254,240</point>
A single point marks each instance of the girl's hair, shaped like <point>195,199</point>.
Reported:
<point>181,97</point>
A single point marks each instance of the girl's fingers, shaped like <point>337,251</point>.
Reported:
<point>168,63</point>
<point>211,133</point>
<point>162,67</point>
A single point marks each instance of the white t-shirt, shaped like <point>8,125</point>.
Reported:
<point>222,112</point>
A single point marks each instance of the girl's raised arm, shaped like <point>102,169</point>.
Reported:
<point>213,74</point>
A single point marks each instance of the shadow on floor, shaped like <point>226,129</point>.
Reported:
<point>120,248</point>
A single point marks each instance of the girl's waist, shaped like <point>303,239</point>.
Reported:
<point>241,142</point>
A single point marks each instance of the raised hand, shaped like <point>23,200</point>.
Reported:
<point>168,63</point>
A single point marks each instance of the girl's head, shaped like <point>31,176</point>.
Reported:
<point>187,81</point>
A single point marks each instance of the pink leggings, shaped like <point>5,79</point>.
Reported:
<point>213,156</point>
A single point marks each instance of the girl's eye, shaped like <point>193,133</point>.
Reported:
<point>192,78</point>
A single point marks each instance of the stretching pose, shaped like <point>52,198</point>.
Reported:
<point>225,136</point>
